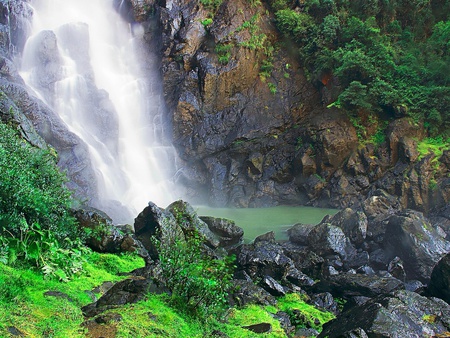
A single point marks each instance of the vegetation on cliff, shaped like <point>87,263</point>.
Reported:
<point>389,57</point>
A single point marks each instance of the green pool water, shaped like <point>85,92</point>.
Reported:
<point>257,221</point>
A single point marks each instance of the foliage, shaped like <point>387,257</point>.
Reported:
<point>435,145</point>
<point>224,52</point>
<point>211,4</point>
<point>198,283</point>
<point>386,55</point>
<point>35,225</point>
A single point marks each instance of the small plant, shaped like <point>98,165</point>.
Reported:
<point>223,52</point>
<point>207,22</point>
<point>198,283</point>
<point>272,87</point>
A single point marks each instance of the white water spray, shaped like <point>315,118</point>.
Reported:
<point>82,60</point>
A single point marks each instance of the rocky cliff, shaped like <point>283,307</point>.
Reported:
<point>251,128</point>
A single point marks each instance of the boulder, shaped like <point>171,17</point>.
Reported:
<point>439,285</point>
<point>350,284</point>
<point>154,222</point>
<point>403,314</point>
<point>246,292</point>
<point>298,234</point>
<point>326,239</point>
<point>226,230</point>
<point>267,258</point>
<point>412,238</point>
<point>353,223</point>
<point>128,291</point>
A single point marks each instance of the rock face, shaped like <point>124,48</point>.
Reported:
<point>40,125</point>
<point>238,109</point>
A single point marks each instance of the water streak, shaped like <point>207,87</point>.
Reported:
<point>82,60</point>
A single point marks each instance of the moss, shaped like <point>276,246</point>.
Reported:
<point>293,304</point>
<point>23,304</point>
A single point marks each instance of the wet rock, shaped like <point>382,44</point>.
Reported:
<point>327,239</point>
<point>412,238</point>
<point>349,284</point>
<point>188,220</point>
<point>399,128</point>
<point>246,292</point>
<point>228,232</point>
<point>272,286</point>
<point>267,258</point>
<point>128,291</point>
<point>407,150</point>
<point>306,333</point>
<point>325,301</point>
<point>403,314</point>
<point>154,221</point>
<point>285,322</point>
<point>298,234</point>
<point>15,332</point>
<point>353,223</point>
<point>440,280</point>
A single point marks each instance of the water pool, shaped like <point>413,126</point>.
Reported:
<point>257,221</point>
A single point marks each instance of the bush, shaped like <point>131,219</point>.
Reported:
<point>198,283</point>
<point>35,224</point>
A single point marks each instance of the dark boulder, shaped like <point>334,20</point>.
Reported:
<point>349,285</point>
<point>326,239</point>
<point>413,239</point>
<point>298,234</point>
<point>226,230</point>
<point>440,280</point>
<point>267,258</point>
<point>188,220</point>
<point>154,221</point>
<point>128,291</point>
<point>403,314</point>
<point>353,223</point>
<point>246,292</point>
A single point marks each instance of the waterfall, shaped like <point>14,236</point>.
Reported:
<point>86,62</point>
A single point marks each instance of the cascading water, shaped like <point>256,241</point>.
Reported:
<point>82,60</point>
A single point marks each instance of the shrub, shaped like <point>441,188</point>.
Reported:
<point>198,283</point>
<point>35,224</point>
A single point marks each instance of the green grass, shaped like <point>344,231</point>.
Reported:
<point>24,306</point>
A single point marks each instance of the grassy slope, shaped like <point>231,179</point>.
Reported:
<point>24,306</point>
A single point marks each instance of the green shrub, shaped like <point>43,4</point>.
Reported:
<point>35,224</point>
<point>198,283</point>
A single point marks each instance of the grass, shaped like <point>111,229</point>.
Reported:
<point>24,306</point>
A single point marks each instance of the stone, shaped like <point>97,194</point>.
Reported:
<point>349,285</point>
<point>326,239</point>
<point>439,285</point>
<point>298,234</point>
<point>272,286</point>
<point>402,314</point>
<point>246,292</point>
<point>228,232</point>
<point>259,328</point>
<point>412,238</point>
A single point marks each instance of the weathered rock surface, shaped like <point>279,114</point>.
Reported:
<point>439,285</point>
<point>403,314</point>
<point>412,238</point>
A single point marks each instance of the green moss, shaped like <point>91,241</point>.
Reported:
<point>435,145</point>
<point>293,304</point>
<point>24,305</point>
